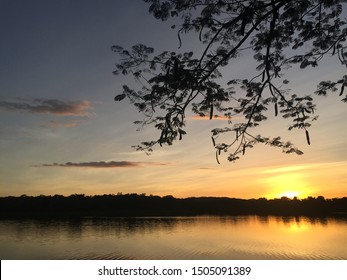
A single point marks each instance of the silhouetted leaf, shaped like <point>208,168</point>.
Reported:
<point>119,97</point>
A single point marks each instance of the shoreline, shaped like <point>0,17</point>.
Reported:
<point>134,205</point>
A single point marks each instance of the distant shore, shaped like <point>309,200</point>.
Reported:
<point>141,205</point>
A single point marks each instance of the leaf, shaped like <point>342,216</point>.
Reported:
<point>181,133</point>
<point>119,97</point>
<point>116,48</point>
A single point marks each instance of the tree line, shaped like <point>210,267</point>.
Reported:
<point>129,205</point>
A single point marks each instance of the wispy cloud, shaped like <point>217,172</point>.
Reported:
<point>206,168</point>
<point>286,169</point>
<point>55,124</point>
<point>49,106</point>
<point>295,168</point>
<point>103,164</point>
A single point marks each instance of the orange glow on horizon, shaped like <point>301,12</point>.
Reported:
<point>304,180</point>
<point>292,184</point>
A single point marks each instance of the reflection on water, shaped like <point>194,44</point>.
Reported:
<point>237,237</point>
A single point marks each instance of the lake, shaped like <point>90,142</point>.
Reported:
<point>202,237</point>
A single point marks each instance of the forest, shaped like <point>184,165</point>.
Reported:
<point>141,205</point>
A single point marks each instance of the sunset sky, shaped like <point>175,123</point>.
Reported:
<point>62,133</point>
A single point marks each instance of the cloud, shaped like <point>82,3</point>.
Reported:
<point>294,168</point>
<point>206,168</point>
<point>55,124</point>
<point>103,164</point>
<point>285,169</point>
<point>50,106</point>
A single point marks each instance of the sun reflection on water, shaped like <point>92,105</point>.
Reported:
<point>206,237</point>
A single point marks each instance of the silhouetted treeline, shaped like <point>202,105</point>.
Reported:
<point>120,205</point>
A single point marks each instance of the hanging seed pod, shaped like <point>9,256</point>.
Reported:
<point>179,38</point>
<point>308,137</point>
<point>211,111</point>
<point>342,89</point>
<point>276,110</point>
<point>200,33</point>
<point>217,153</point>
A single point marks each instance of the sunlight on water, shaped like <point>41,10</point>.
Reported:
<point>238,237</point>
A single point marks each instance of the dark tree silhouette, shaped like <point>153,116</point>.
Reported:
<point>279,34</point>
<point>135,205</point>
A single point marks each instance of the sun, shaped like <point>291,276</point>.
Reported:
<point>287,185</point>
<point>289,194</point>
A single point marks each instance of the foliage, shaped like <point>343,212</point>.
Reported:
<point>278,33</point>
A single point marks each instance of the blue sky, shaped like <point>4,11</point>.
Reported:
<point>62,133</point>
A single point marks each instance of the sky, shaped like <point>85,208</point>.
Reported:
<point>62,133</point>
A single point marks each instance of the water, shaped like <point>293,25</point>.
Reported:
<point>238,237</point>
